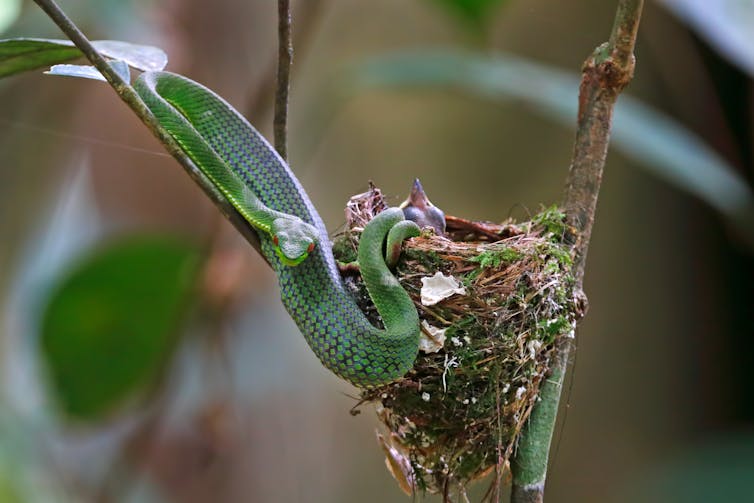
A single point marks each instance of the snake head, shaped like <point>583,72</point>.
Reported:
<point>293,238</point>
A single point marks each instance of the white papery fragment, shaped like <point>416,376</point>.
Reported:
<point>439,287</point>
<point>432,339</point>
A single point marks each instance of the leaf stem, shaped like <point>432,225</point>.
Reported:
<point>605,74</point>
<point>127,93</point>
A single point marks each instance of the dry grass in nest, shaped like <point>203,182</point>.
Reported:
<point>457,415</point>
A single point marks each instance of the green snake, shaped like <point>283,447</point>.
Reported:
<point>259,184</point>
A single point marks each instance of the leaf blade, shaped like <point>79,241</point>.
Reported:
<point>89,72</point>
<point>22,54</point>
<point>111,324</point>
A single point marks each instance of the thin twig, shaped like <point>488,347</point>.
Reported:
<point>605,74</point>
<point>285,58</point>
<point>134,102</point>
<point>307,14</point>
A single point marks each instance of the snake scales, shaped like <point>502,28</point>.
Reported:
<point>242,164</point>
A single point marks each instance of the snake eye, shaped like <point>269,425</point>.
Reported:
<point>310,248</point>
<point>275,240</point>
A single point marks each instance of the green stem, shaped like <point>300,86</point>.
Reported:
<point>605,74</point>
<point>134,102</point>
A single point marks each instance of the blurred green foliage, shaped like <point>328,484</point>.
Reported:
<point>111,323</point>
<point>9,11</point>
<point>474,13</point>
<point>8,491</point>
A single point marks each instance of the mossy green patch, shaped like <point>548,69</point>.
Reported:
<point>495,257</point>
<point>344,249</point>
<point>552,219</point>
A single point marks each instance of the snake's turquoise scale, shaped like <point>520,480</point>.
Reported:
<point>313,291</point>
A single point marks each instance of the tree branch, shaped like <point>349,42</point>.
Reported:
<point>605,74</point>
<point>127,93</point>
<point>285,58</point>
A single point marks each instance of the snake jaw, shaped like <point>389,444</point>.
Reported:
<point>288,261</point>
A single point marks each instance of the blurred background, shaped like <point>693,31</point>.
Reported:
<point>145,356</point>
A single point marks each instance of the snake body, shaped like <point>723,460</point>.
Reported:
<point>248,171</point>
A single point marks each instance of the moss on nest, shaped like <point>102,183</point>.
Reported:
<point>456,416</point>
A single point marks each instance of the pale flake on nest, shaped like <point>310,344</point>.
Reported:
<point>431,339</point>
<point>439,287</point>
<point>520,392</point>
<point>534,346</point>
<point>456,341</point>
<point>425,396</point>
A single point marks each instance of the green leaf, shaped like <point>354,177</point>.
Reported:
<point>22,54</point>
<point>142,57</point>
<point>474,12</point>
<point>19,55</point>
<point>110,325</point>
<point>9,11</point>
<point>657,142</point>
<point>89,72</point>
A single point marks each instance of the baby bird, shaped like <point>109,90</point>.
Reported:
<point>418,208</point>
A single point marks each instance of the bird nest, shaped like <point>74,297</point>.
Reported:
<point>493,300</point>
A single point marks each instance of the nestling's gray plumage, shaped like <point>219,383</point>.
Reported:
<point>418,208</point>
